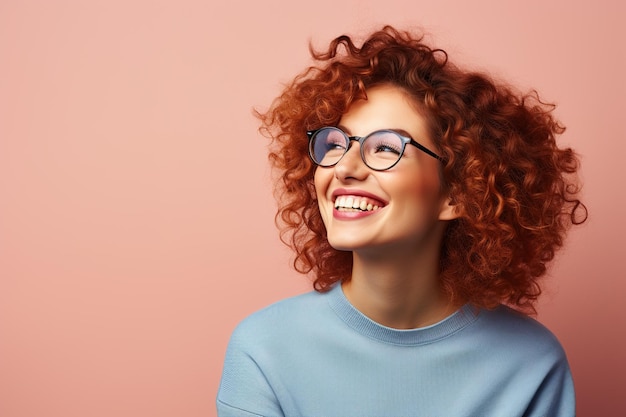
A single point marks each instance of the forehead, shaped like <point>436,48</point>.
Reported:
<point>386,107</point>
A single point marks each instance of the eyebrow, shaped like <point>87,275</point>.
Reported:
<point>399,131</point>
<point>402,132</point>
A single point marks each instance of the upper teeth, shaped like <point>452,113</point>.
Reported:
<point>355,202</point>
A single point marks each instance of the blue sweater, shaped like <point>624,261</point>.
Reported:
<point>315,355</point>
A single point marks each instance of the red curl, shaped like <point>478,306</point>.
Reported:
<point>514,187</point>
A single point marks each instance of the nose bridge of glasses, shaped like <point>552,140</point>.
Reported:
<point>351,140</point>
<point>358,139</point>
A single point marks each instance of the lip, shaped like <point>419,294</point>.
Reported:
<point>354,215</point>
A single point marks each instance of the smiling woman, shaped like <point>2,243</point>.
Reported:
<point>426,201</point>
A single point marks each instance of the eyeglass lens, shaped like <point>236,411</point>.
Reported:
<point>380,150</point>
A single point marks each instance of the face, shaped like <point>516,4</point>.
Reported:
<point>365,210</point>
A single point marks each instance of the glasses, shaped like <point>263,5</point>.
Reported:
<point>380,150</point>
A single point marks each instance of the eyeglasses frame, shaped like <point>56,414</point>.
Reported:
<point>405,140</point>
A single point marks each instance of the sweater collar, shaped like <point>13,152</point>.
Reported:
<point>410,337</point>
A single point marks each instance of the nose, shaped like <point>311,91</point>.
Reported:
<point>351,166</point>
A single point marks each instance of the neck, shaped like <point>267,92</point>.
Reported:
<point>398,290</point>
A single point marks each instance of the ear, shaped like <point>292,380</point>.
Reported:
<point>449,210</point>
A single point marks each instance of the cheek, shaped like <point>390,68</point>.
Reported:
<point>423,190</point>
<point>431,186</point>
<point>318,187</point>
<point>321,181</point>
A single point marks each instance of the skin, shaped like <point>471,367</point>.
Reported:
<point>396,248</point>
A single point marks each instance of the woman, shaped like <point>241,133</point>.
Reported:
<point>426,201</point>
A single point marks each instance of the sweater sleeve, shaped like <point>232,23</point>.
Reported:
<point>244,390</point>
<point>555,396</point>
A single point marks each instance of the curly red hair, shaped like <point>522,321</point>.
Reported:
<point>514,187</point>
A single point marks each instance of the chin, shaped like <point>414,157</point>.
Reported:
<point>348,244</point>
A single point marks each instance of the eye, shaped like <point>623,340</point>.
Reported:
<point>387,147</point>
<point>328,146</point>
<point>334,145</point>
<point>384,142</point>
<point>333,140</point>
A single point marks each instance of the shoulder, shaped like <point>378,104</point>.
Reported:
<point>518,334</point>
<point>256,354</point>
<point>296,307</point>
<point>508,321</point>
<point>520,359</point>
<point>280,320</point>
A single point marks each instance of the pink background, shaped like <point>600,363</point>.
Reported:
<point>132,240</point>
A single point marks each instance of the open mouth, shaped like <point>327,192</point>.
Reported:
<point>356,203</point>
